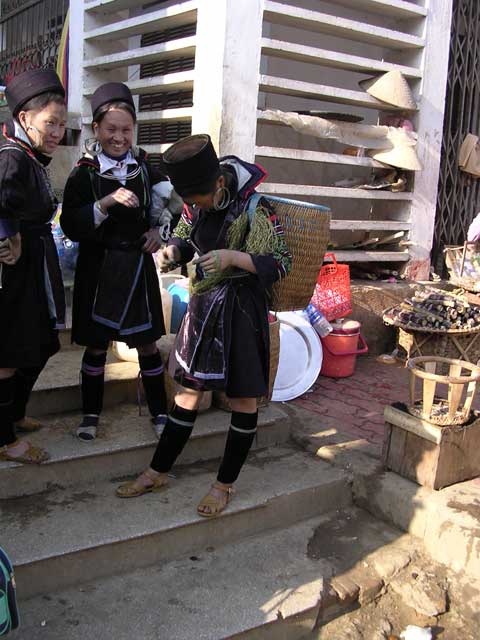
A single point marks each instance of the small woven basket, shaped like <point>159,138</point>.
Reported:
<point>452,408</point>
<point>307,232</point>
<point>463,264</point>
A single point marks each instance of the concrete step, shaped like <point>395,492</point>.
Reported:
<point>446,521</point>
<point>58,538</point>
<point>124,445</point>
<point>272,586</point>
<point>57,390</point>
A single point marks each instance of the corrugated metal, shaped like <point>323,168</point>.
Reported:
<point>458,194</point>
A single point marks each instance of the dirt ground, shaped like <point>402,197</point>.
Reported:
<point>386,618</point>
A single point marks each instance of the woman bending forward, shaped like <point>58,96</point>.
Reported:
<point>223,342</point>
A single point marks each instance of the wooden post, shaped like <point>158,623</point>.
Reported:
<point>227,71</point>
<point>430,130</point>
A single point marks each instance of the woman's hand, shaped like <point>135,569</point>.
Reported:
<point>153,241</point>
<point>11,250</point>
<point>121,196</point>
<point>217,260</point>
<point>168,257</point>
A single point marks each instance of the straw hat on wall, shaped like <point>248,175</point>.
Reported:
<point>403,157</point>
<point>401,153</point>
<point>391,88</point>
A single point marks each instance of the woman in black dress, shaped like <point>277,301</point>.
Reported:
<point>106,208</point>
<point>32,305</point>
<point>223,342</point>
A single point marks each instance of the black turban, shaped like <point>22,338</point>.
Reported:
<point>111,92</point>
<point>191,163</point>
<point>31,84</point>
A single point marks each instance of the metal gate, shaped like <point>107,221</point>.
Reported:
<point>30,32</point>
<point>458,194</point>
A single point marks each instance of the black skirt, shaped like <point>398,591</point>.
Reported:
<point>28,333</point>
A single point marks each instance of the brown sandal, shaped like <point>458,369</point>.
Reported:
<point>131,490</point>
<point>33,455</point>
<point>28,425</point>
<point>216,505</point>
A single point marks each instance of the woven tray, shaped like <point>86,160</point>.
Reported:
<point>411,327</point>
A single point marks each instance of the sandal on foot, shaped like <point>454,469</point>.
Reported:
<point>132,490</point>
<point>87,431</point>
<point>33,455</point>
<point>28,425</point>
<point>216,505</point>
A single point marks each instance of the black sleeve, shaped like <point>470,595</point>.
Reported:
<point>14,176</point>
<point>77,219</point>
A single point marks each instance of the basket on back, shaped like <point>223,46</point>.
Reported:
<point>307,231</point>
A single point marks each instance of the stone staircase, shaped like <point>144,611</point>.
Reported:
<point>88,563</point>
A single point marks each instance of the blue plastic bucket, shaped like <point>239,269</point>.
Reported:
<point>180,298</point>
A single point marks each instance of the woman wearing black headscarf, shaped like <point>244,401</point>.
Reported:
<point>31,291</point>
<point>223,342</point>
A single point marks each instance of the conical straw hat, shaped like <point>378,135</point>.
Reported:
<point>403,157</point>
<point>392,88</point>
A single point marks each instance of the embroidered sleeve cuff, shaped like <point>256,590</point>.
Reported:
<point>8,227</point>
<point>98,215</point>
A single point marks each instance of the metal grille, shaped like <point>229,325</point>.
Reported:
<point>30,33</point>
<point>458,194</point>
<point>164,133</point>
<point>169,100</point>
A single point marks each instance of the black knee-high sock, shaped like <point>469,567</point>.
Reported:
<point>239,440</point>
<point>93,374</point>
<point>174,437</point>
<point>25,379</point>
<point>154,384</point>
<point>7,394</point>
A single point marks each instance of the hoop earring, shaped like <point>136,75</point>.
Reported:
<point>93,147</point>
<point>221,198</point>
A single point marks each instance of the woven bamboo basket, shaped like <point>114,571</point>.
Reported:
<point>220,400</point>
<point>307,232</point>
<point>444,400</point>
<point>463,264</point>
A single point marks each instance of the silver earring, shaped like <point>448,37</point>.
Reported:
<point>93,147</point>
<point>221,198</point>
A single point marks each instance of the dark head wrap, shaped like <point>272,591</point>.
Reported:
<point>191,163</point>
<point>111,92</point>
<point>31,84</point>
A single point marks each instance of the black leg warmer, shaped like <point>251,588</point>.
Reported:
<point>25,380</point>
<point>239,440</point>
<point>93,374</point>
<point>153,382</point>
<point>7,394</point>
<point>174,437</point>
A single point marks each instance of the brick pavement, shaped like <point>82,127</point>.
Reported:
<point>354,406</point>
